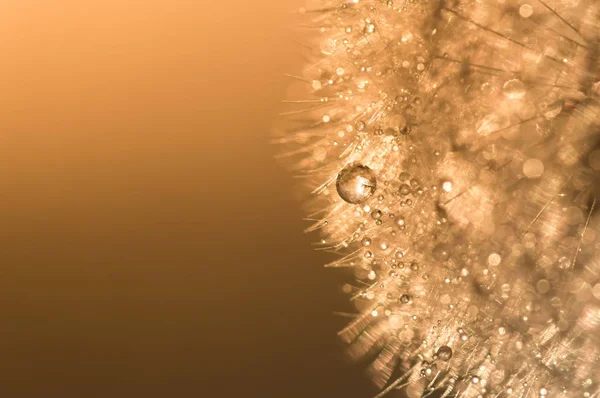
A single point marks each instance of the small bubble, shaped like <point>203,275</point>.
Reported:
<point>441,252</point>
<point>405,298</point>
<point>376,214</point>
<point>366,241</point>
<point>404,189</point>
<point>494,259</point>
<point>400,222</point>
<point>543,286</point>
<point>525,10</point>
<point>533,168</point>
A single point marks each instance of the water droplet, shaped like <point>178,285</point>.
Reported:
<point>396,124</point>
<point>543,286</point>
<point>525,10</point>
<point>405,175</point>
<point>514,89</point>
<point>400,222</point>
<point>444,353</point>
<point>404,189</point>
<point>494,259</point>
<point>441,252</point>
<point>356,183</point>
<point>533,168</point>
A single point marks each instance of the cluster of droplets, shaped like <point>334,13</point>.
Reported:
<point>457,147</point>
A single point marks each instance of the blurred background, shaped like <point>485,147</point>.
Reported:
<point>150,244</point>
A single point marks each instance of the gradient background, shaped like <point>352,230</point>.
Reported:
<point>150,245</point>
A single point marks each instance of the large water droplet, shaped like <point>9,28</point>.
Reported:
<point>356,183</point>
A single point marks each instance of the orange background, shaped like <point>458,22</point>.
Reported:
<point>150,245</point>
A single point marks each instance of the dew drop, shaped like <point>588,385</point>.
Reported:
<point>376,214</point>
<point>444,353</point>
<point>356,183</point>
